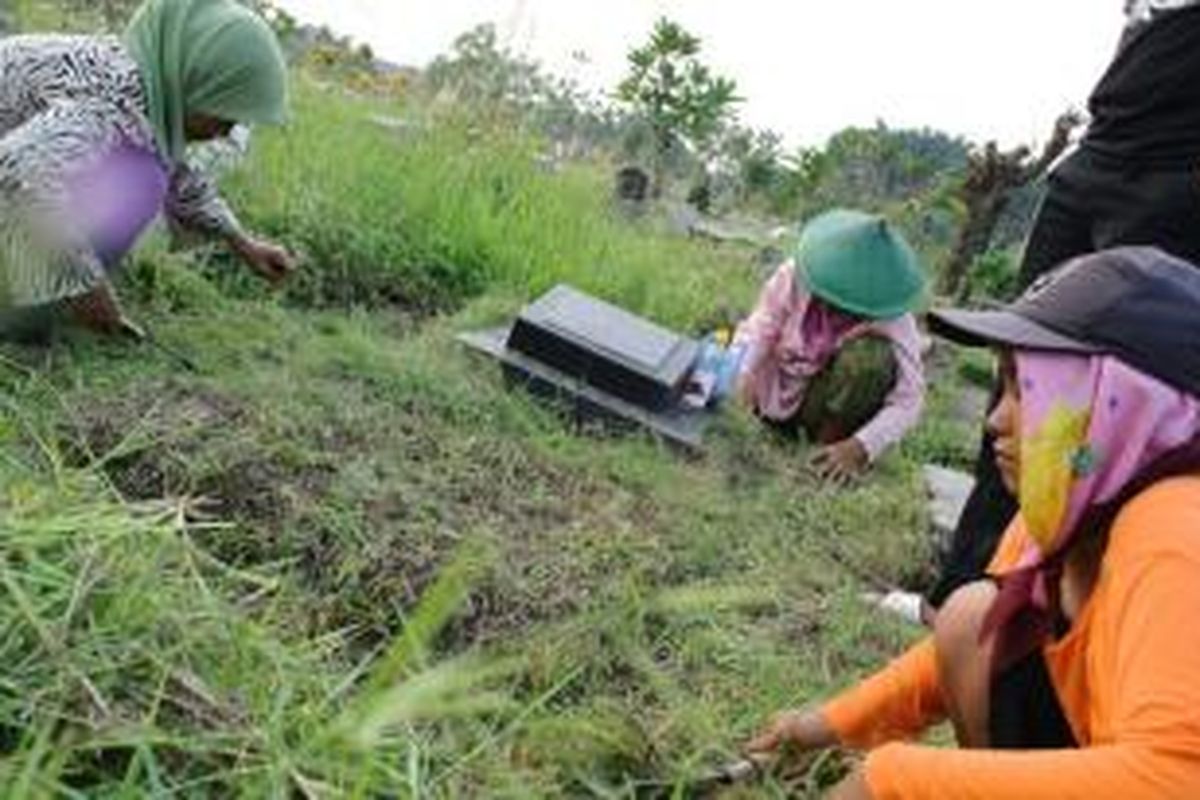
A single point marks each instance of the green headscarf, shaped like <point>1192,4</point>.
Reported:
<point>213,57</point>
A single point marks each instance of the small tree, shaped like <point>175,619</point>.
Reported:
<point>991,179</point>
<point>678,96</point>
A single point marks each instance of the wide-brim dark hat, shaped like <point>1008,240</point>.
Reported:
<point>1136,303</point>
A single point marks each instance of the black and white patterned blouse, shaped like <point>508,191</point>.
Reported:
<point>63,101</point>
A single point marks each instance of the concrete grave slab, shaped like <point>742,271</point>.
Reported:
<point>600,364</point>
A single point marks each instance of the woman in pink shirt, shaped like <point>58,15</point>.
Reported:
<point>832,347</point>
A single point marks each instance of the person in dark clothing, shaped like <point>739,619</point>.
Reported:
<point>1133,180</point>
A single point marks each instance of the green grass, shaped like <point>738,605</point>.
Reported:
<point>342,561</point>
<point>458,206</point>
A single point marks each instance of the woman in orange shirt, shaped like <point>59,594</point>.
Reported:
<point>1074,672</point>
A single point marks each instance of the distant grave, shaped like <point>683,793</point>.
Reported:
<point>633,185</point>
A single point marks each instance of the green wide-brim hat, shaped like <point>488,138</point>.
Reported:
<point>859,263</point>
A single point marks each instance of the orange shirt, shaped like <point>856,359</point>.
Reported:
<point>1127,674</point>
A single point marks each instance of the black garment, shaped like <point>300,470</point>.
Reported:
<point>988,510</point>
<point>1094,202</point>
<point>1024,710</point>
<point>1147,105</point>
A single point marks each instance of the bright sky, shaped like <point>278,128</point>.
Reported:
<point>806,68</point>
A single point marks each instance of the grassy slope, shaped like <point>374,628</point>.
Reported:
<point>405,579</point>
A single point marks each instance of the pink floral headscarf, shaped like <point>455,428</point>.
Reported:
<point>1093,432</point>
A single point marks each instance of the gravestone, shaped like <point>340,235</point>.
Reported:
<point>633,185</point>
<point>948,490</point>
<point>607,347</point>
<point>631,192</point>
<point>607,364</point>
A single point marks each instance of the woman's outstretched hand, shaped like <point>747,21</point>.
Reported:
<point>806,731</point>
<point>798,730</point>
<point>272,262</point>
<point>840,463</point>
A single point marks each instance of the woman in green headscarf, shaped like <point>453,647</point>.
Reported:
<point>93,138</point>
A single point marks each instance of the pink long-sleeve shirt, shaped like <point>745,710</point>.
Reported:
<point>775,328</point>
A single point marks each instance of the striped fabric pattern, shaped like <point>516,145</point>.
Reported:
<point>66,101</point>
